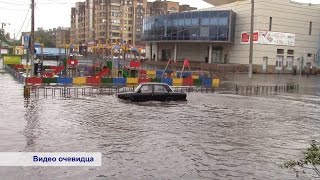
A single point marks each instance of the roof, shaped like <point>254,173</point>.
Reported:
<point>50,51</point>
<point>4,44</point>
<point>221,2</point>
<point>155,83</point>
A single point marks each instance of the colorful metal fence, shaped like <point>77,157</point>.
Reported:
<point>97,81</point>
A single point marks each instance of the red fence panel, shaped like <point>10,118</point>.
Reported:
<point>187,81</point>
<point>143,71</point>
<point>142,80</point>
<point>33,80</point>
<point>94,81</point>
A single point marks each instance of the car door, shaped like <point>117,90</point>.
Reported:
<point>145,93</point>
<point>160,92</point>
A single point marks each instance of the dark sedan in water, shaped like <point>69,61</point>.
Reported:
<point>153,92</point>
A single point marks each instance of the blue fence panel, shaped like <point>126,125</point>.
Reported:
<point>169,71</point>
<point>207,82</point>
<point>159,73</point>
<point>119,80</point>
<point>64,80</point>
<point>184,74</point>
<point>167,80</point>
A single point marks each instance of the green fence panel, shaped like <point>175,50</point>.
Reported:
<point>155,80</point>
<point>197,82</point>
<point>49,80</point>
<point>106,80</point>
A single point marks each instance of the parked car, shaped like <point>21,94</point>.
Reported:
<point>153,92</point>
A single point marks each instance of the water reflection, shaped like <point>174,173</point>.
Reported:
<point>32,129</point>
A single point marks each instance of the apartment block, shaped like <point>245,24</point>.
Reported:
<point>165,7</point>
<point>107,21</point>
<point>78,16</point>
<point>62,36</point>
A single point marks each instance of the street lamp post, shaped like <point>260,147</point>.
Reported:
<point>251,39</point>
<point>106,41</point>
<point>94,51</point>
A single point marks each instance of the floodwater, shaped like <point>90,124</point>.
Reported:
<point>212,136</point>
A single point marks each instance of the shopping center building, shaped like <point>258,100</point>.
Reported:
<point>286,35</point>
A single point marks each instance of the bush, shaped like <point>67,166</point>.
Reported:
<point>310,160</point>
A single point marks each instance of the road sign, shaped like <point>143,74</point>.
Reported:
<point>26,41</point>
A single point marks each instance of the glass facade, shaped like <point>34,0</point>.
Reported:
<point>190,26</point>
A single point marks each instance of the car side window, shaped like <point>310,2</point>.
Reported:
<point>146,89</point>
<point>160,89</point>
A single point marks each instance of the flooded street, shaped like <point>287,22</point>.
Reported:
<point>212,136</point>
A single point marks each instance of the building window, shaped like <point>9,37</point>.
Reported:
<point>290,52</point>
<point>310,28</point>
<point>280,51</point>
<point>279,62</point>
<point>279,59</point>
<point>270,24</point>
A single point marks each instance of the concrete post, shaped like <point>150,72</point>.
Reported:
<point>175,52</point>
<point>210,54</point>
<point>157,51</point>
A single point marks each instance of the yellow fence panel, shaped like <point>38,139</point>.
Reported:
<point>151,76</point>
<point>79,81</point>
<point>149,72</point>
<point>177,81</point>
<point>132,80</point>
<point>195,77</point>
<point>215,82</point>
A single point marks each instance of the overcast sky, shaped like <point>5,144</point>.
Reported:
<point>54,13</point>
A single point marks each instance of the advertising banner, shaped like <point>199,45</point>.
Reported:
<point>12,59</point>
<point>276,38</point>
<point>245,37</point>
<point>269,38</point>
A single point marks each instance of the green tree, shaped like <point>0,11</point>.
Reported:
<point>310,160</point>
<point>44,37</point>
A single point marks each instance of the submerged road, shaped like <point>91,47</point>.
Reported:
<point>219,135</point>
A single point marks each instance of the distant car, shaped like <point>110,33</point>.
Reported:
<point>153,92</point>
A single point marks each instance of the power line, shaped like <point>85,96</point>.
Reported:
<point>19,4</point>
<point>24,21</point>
<point>28,24</point>
<point>10,9</point>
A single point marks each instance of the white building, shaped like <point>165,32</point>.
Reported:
<point>284,33</point>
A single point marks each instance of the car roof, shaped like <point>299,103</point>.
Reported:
<point>154,83</point>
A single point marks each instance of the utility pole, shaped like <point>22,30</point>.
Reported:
<point>251,39</point>
<point>1,32</point>
<point>32,38</point>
